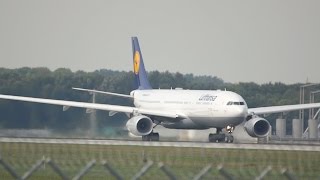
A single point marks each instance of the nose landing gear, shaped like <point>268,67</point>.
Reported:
<point>229,129</point>
<point>220,137</point>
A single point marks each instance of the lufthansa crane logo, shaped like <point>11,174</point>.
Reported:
<point>136,62</point>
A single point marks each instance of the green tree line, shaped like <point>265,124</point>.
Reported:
<point>44,83</point>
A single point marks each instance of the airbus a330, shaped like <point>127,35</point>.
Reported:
<point>179,109</point>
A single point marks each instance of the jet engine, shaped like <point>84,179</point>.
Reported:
<point>257,127</point>
<point>140,125</point>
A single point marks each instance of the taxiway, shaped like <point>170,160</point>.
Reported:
<point>286,147</point>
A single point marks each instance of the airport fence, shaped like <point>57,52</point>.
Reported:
<point>35,160</point>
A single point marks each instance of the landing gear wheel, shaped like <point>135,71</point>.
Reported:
<point>155,137</point>
<point>220,137</point>
<point>145,138</point>
<point>151,137</point>
<point>229,139</point>
<point>217,138</point>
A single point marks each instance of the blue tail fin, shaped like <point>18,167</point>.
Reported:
<point>138,66</point>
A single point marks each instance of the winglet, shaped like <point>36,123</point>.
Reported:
<point>138,67</point>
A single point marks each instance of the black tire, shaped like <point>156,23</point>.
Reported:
<point>221,138</point>
<point>230,139</point>
<point>151,137</point>
<point>217,138</point>
<point>212,138</point>
<point>146,138</point>
<point>155,137</point>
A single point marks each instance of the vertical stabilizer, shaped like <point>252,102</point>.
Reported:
<point>138,66</point>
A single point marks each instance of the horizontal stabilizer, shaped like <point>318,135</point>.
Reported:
<point>103,92</point>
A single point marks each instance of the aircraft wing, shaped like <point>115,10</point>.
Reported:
<point>106,107</point>
<point>285,108</point>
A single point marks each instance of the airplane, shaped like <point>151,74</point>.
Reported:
<point>179,108</point>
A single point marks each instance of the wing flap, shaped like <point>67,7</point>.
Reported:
<point>285,108</point>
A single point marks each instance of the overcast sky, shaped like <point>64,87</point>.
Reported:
<point>238,41</point>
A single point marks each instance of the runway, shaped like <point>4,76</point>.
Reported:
<point>285,147</point>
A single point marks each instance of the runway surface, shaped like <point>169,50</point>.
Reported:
<point>286,147</point>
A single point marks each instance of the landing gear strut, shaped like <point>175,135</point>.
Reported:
<point>221,137</point>
<point>151,137</point>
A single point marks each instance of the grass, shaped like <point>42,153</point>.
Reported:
<point>185,163</point>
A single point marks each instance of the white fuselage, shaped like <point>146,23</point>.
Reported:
<point>202,109</point>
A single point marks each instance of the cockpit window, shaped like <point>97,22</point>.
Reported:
<point>235,103</point>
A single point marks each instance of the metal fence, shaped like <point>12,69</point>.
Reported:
<point>90,161</point>
<point>113,172</point>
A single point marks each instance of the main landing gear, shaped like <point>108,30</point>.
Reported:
<point>151,137</point>
<point>222,137</point>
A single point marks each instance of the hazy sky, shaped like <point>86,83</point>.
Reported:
<point>238,41</point>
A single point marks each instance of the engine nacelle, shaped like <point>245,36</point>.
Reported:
<point>140,125</point>
<point>257,127</point>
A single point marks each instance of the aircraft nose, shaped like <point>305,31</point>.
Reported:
<point>242,111</point>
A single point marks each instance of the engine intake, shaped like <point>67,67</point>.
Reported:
<point>257,127</point>
<point>140,125</point>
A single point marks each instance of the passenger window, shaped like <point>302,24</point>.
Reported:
<point>236,103</point>
<point>241,103</point>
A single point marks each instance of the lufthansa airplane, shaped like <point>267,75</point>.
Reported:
<point>179,109</point>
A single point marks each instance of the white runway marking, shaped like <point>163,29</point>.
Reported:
<point>285,147</point>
